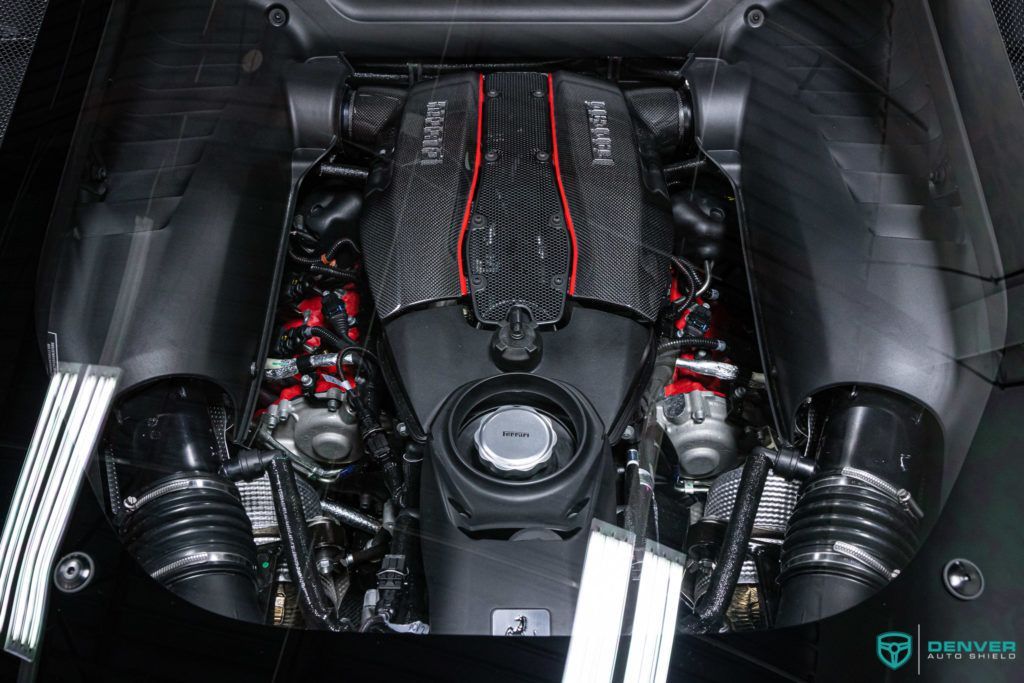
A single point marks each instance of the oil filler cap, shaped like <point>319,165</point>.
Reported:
<point>515,441</point>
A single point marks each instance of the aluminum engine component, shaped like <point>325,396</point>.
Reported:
<point>695,424</point>
<point>327,436</point>
<point>515,441</point>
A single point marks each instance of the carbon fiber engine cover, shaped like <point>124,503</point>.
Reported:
<point>623,236</point>
<point>518,246</point>
<point>414,213</point>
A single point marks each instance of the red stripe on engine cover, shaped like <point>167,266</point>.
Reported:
<point>463,285</point>
<point>561,188</point>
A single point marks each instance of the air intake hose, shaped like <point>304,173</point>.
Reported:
<point>857,521</point>
<point>183,521</point>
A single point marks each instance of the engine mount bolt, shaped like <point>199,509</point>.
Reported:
<point>73,572</point>
<point>492,155</point>
<point>755,17</point>
<point>963,579</point>
<point>277,16</point>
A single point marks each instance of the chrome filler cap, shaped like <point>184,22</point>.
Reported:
<point>515,441</point>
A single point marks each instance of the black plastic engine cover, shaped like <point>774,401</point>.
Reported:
<point>416,207</point>
<point>623,232</point>
<point>493,546</point>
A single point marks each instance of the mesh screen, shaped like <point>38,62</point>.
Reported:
<point>410,229</point>
<point>623,238</point>
<point>1010,18</point>
<point>518,243</point>
<point>18,28</point>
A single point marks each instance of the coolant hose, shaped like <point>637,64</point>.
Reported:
<point>711,606</point>
<point>291,521</point>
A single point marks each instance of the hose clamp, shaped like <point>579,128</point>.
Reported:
<point>133,503</point>
<point>197,559</point>
<point>901,496</point>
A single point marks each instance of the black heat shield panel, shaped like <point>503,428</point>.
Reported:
<point>623,235</point>
<point>517,245</point>
<point>410,228</point>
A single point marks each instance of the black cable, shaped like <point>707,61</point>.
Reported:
<point>319,268</point>
<point>692,343</point>
<point>330,338</point>
<point>343,242</point>
<point>303,260</point>
<point>811,424</point>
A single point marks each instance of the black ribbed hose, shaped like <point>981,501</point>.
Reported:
<point>711,606</point>
<point>295,538</point>
<point>692,343</point>
<point>333,273</point>
<point>328,337</point>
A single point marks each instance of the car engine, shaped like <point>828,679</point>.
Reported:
<point>468,311</point>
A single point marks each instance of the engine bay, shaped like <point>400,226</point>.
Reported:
<point>511,301</point>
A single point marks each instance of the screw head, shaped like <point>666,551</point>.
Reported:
<point>543,156</point>
<point>73,572</point>
<point>493,93</point>
<point>538,93</point>
<point>277,16</point>
<point>492,155</point>
<point>402,429</point>
<point>755,17</point>
<point>963,579</point>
